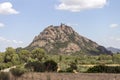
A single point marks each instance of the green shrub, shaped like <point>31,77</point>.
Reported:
<point>104,69</point>
<point>72,67</point>
<point>82,69</point>
<point>4,76</point>
<point>97,69</point>
<point>69,69</point>
<point>50,66</point>
<point>2,66</point>
<point>5,65</point>
<point>17,72</point>
<point>35,66</point>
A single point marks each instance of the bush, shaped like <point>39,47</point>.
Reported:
<point>97,69</point>
<point>17,72</point>
<point>5,65</point>
<point>4,76</point>
<point>104,69</point>
<point>50,66</point>
<point>35,66</point>
<point>2,66</point>
<point>69,69</point>
<point>72,67</point>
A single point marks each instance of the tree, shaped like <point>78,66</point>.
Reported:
<point>105,57</point>
<point>24,55</point>
<point>50,66</point>
<point>1,57</point>
<point>35,66</point>
<point>18,72</point>
<point>60,58</point>
<point>116,58</point>
<point>15,59</point>
<point>11,56</point>
<point>38,54</point>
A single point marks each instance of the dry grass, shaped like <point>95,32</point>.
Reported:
<point>92,65</point>
<point>68,76</point>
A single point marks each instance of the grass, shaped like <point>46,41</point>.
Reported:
<point>4,76</point>
<point>70,76</point>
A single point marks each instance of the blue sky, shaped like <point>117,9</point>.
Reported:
<point>21,20</point>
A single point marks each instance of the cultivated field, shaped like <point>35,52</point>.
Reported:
<point>68,76</point>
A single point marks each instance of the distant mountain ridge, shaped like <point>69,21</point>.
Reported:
<point>64,40</point>
<point>114,50</point>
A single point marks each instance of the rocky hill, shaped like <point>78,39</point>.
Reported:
<point>64,40</point>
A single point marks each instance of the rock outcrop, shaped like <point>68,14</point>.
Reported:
<point>64,40</point>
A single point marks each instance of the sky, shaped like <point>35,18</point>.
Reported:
<point>22,20</point>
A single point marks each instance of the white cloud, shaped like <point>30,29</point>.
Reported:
<point>78,5</point>
<point>1,25</point>
<point>2,39</point>
<point>17,42</point>
<point>7,8</point>
<point>114,25</point>
<point>14,41</point>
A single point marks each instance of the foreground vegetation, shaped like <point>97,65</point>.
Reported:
<point>38,60</point>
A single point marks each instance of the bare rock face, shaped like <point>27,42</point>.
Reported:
<point>64,40</point>
<point>71,48</point>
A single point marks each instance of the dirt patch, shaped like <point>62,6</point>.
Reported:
<point>68,76</point>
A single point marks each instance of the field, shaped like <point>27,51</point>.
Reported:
<point>68,76</point>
